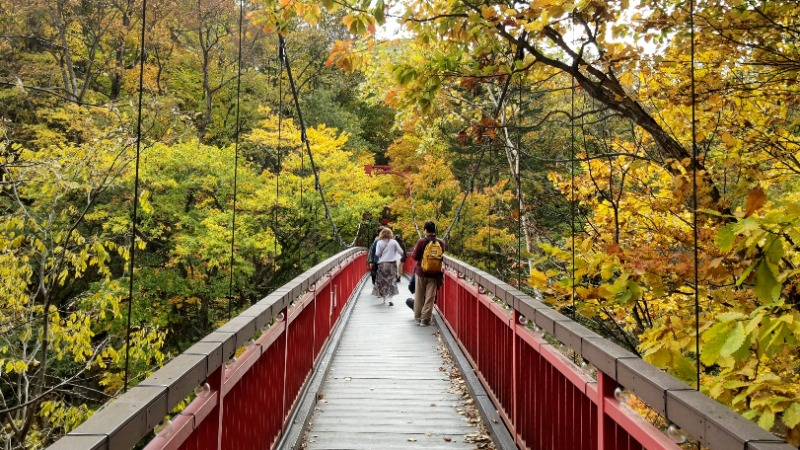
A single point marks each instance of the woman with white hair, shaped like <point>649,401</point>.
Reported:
<point>387,253</point>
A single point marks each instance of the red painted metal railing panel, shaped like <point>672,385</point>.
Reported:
<point>256,392</point>
<point>546,401</point>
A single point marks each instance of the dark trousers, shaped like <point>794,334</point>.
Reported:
<point>373,272</point>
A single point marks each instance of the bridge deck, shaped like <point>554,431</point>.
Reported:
<point>388,385</point>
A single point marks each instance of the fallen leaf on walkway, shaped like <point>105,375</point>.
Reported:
<point>477,437</point>
<point>447,438</point>
<point>468,406</point>
<point>412,439</point>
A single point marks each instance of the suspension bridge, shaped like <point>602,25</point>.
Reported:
<point>320,364</point>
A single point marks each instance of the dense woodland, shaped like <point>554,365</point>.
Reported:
<point>554,140</point>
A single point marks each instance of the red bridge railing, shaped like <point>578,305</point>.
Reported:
<point>548,402</point>
<point>246,376</point>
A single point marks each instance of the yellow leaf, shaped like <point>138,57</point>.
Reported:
<point>537,279</point>
<point>729,140</point>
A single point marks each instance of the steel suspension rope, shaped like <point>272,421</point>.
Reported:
<point>304,139</point>
<point>518,181</point>
<point>135,213</point>
<point>279,156</point>
<point>572,174</point>
<point>694,198</point>
<point>236,154</point>
<point>413,213</point>
<point>518,55</point>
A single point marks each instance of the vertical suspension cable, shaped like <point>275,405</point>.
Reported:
<point>236,153</point>
<point>572,184</point>
<point>694,200</point>
<point>304,138</point>
<point>489,239</point>
<point>413,212</point>
<point>135,214</point>
<point>279,156</point>
<point>519,184</point>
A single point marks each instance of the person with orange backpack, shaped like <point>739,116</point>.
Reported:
<point>429,273</point>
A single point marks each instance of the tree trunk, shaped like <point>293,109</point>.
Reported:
<point>207,92</point>
<point>67,66</point>
<point>116,79</point>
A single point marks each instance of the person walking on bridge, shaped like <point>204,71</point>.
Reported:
<point>387,253</point>
<point>429,254</point>
<point>372,261</point>
<point>399,239</point>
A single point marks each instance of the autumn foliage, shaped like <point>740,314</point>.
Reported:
<point>630,174</point>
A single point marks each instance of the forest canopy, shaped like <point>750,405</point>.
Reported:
<point>629,160</point>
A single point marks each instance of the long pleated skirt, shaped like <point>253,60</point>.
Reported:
<point>386,281</point>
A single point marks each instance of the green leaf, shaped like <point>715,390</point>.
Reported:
<point>745,274</point>
<point>749,415</point>
<point>744,351</point>
<point>725,238</point>
<point>767,420</point>
<point>774,251</point>
<point>624,297</point>
<point>734,341</point>
<point>713,340</point>
<point>746,226</point>
<point>710,212</point>
<point>791,417</point>
<point>729,316</point>
<point>774,340</point>
<point>634,289</point>
<point>380,16</point>
<point>767,287</point>
<point>685,369</point>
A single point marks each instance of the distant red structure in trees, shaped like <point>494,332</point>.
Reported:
<point>374,169</point>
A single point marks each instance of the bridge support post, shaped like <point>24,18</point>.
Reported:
<point>605,426</point>
<point>284,407</point>
<point>216,382</point>
<point>515,376</point>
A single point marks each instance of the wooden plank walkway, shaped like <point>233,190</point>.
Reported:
<point>387,387</point>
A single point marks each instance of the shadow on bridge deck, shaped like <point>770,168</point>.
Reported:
<point>388,385</point>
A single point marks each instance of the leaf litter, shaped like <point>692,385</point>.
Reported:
<point>466,406</point>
